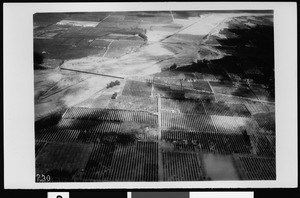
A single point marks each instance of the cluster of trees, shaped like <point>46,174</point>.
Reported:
<point>112,84</point>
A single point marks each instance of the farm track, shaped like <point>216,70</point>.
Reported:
<point>60,90</point>
<point>107,48</point>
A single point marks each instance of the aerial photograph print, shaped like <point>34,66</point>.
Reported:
<point>154,96</point>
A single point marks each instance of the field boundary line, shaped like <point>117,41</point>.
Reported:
<point>212,91</point>
<point>160,157</point>
<point>87,72</point>
<point>104,18</point>
<point>180,30</point>
<point>107,48</point>
<point>172,15</point>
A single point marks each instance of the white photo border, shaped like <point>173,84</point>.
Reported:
<point>19,158</point>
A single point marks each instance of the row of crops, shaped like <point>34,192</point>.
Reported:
<point>87,125</point>
<point>210,108</point>
<point>227,109</point>
<point>221,124</point>
<point>182,167</point>
<point>134,162</point>
<point>189,122</point>
<point>228,124</point>
<point>207,142</point>
<point>62,160</point>
<point>182,106</point>
<point>110,115</point>
<point>88,136</point>
<point>258,144</point>
<point>264,145</point>
<point>256,168</point>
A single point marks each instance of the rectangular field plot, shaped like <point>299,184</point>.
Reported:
<point>39,146</point>
<point>190,76</point>
<point>205,76</point>
<point>128,24</point>
<point>80,131</point>
<point>264,145</point>
<point>219,167</point>
<point>92,125</point>
<point>148,79</point>
<point>86,103</point>
<point>230,99</point>
<point>170,74</point>
<point>262,93</point>
<point>206,142</point>
<point>85,42</point>
<point>134,103</point>
<point>100,43</point>
<point>229,124</point>
<point>110,115</point>
<point>54,134</point>
<point>230,89</point>
<point>135,162</point>
<point>167,81</point>
<point>187,122</point>
<point>62,161</point>
<point>201,86</point>
<point>196,95</point>
<point>268,126</point>
<point>166,91</point>
<point>99,163</point>
<point>167,28</point>
<point>187,85</point>
<point>266,123</point>
<point>256,168</point>
<point>136,88</point>
<point>71,41</point>
<point>226,109</point>
<point>100,102</point>
<point>182,106</point>
<point>139,131</point>
<point>256,107</point>
<point>182,167</point>
<point>271,107</point>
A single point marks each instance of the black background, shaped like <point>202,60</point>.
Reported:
<point>84,193</point>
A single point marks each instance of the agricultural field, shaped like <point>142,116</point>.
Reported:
<point>154,96</point>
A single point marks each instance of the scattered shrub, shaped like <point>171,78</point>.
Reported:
<point>114,95</point>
